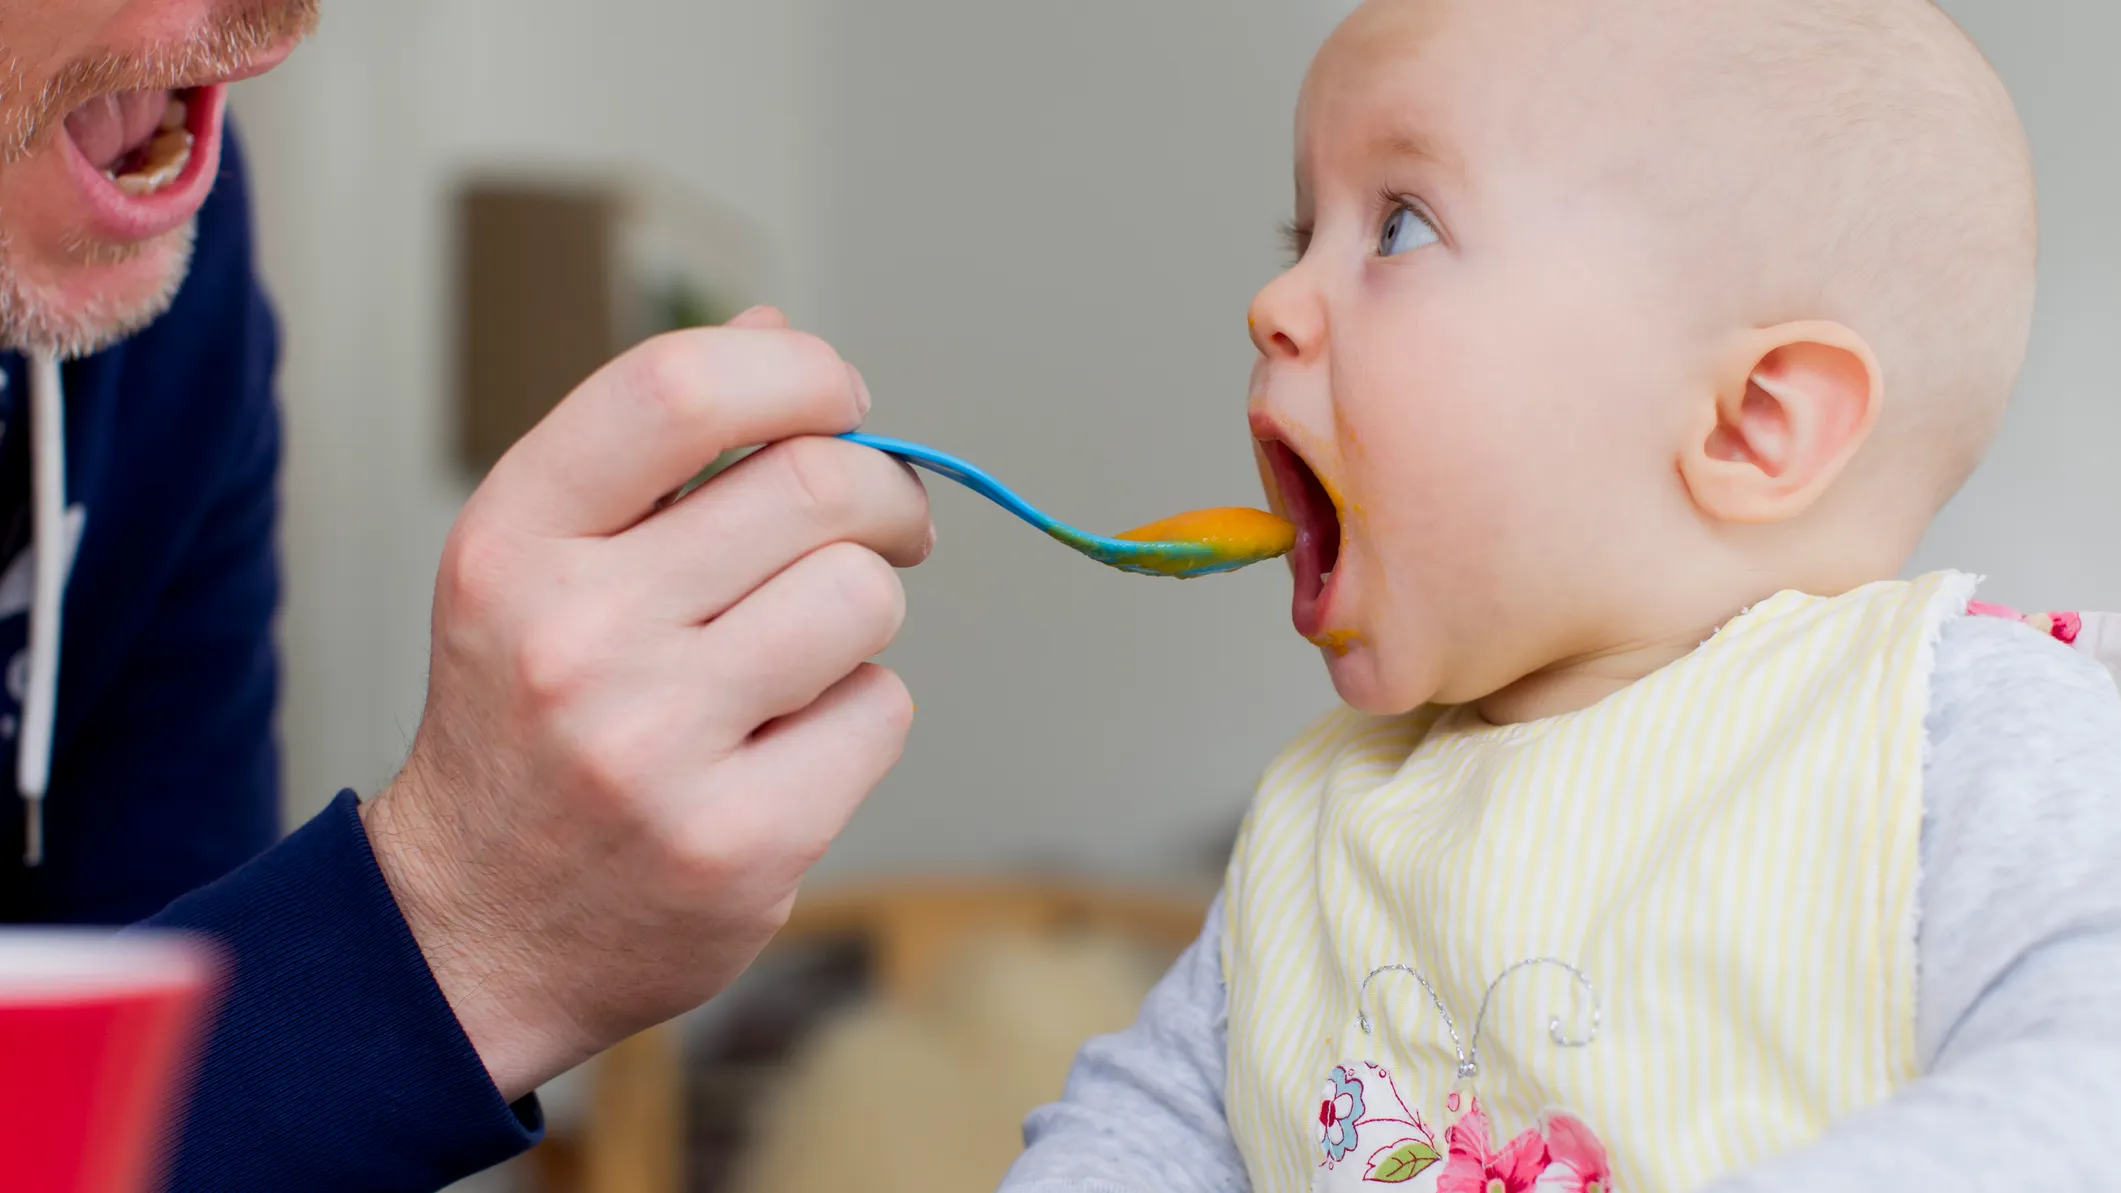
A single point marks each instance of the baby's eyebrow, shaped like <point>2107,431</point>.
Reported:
<point>1400,142</point>
<point>1408,143</point>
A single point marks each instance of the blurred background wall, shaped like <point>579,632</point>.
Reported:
<point>2035,518</point>
<point>1035,227</point>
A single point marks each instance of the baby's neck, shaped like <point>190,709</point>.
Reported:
<point>1578,683</point>
<point>1649,631</point>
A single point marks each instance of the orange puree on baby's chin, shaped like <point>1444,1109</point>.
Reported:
<point>1234,533</point>
<point>1340,642</point>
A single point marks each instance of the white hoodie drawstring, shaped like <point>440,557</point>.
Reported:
<point>33,760</point>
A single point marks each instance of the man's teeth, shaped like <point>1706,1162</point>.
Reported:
<point>165,159</point>
<point>1325,578</point>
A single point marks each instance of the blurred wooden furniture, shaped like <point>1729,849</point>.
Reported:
<point>915,928</point>
<point>633,1139</point>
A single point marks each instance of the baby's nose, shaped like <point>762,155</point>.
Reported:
<point>1287,319</point>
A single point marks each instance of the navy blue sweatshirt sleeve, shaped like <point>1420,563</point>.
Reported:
<point>336,1063</point>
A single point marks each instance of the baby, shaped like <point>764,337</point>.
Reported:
<point>1668,842</point>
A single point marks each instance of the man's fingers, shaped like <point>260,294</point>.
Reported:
<point>779,649</point>
<point>760,319</point>
<point>778,505</point>
<point>649,421</point>
<point>820,763</point>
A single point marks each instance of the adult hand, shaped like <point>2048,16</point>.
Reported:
<point>644,724</point>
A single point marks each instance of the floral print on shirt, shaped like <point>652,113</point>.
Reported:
<point>1368,1135</point>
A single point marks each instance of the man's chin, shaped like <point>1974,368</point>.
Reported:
<point>100,294</point>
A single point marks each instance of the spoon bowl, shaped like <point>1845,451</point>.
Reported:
<point>1202,543</point>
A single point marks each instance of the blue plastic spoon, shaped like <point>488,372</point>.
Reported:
<point>1196,544</point>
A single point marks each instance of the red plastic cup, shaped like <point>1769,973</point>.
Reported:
<point>96,1034</point>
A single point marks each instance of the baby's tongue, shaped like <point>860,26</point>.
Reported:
<point>109,127</point>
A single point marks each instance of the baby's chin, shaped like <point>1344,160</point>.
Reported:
<point>1367,680</point>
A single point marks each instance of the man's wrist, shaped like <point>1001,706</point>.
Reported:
<point>464,953</point>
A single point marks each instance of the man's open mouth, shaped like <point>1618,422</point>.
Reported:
<point>143,162</point>
<point>1307,505</point>
<point>140,140</point>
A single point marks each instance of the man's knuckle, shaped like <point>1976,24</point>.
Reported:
<point>616,758</point>
<point>812,357</point>
<point>894,703</point>
<point>823,479</point>
<point>868,584</point>
<point>555,659</point>
<point>812,369</point>
<point>666,374</point>
<point>722,851</point>
<point>474,568</point>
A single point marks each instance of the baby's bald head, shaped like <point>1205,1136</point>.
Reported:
<point>1848,160</point>
<point>1856,161</point>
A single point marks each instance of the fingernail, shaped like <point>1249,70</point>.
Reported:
<point>928,548</point>
<point>861,391</point>
<point>747,312</point>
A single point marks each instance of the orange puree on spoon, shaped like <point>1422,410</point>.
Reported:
<point>1237,533</point>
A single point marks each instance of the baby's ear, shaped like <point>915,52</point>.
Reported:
<point>1791,411</point>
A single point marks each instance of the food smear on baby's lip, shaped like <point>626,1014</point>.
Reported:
<point>1231,536</point>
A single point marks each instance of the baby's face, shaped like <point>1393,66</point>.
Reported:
<point>1459,391</point>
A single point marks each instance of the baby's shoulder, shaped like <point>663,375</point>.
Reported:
<point>2024,743</point>
<point>2021,837</point>
<point>1992,672</point>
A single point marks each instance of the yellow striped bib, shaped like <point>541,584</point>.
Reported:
<point>1634,947</point>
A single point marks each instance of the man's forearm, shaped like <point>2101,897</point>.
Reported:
<point>335,1062</point>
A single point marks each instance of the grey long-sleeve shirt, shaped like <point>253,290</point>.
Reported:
<point>2019,998</point>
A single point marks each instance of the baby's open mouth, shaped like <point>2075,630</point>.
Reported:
<point>1307,505</point>
<point>140,140</point>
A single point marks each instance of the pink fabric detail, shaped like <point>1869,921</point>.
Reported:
<point>1475,1166</point>
<point>1575,1146</point>
<point>2063,627</point>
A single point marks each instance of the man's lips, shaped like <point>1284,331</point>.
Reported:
<point>1306,504</point>
<point>127,212</point>
<point>133,191</point>
<point>141,177</point>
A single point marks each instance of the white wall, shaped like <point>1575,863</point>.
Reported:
<point>1044,225</point>
<point>2038,518</point>
<point>1035,227</point>
<point>339,236</point>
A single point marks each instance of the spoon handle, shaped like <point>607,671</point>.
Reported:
<point>964,473</point>
<point>1180,558</point>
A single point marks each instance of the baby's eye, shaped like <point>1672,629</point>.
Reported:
<point>1405,230</point>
